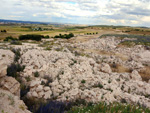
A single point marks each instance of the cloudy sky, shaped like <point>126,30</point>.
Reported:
<point>104,12</point>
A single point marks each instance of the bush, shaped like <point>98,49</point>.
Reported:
<point>3,31</point>
<point>65,36</point>
<point>31,37</point>
<point>49,80</point>
<point>47,36</point>
<point>17,54</point>
<point>14,69</point>
<point>54,107</point>
<point>83,81</point>
<point>10,38</point>
<point>36,74</point>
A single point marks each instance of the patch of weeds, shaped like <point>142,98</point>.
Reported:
<point>48,48</point>
<point>73,62</point>
<point>36,74</point>
<point>102,97</point>
<point>17,54</point>
<point>118,79</point>
<point>3,111</point>
<point>122,87</point>
<point>28,78</point>
<point>109,81</point>
<point>49,80</point>
<point>83,81</point>
<point>147,95</point>
<point>14,42</point>
<point>43,83</point>
<point>80,102</point>
<point>59,49</point>
<point>123,100</point>
<point>22,107</point>
<point>102,107</point>
<point>12,101</point>
<point>98,85</point>
<point>109,89</point>
<point>129,90</point>
<point>2,94</point>
<point>3,55</point>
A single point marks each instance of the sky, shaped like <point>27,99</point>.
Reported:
<point>91,12</point>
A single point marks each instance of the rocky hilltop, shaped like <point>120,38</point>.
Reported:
<point>100,69</point>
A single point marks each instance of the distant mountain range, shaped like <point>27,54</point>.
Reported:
<point>26,22</point>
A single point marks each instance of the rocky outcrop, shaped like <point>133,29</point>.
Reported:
<point>6,58</point>
<point>39,91</point>
<point>10,103</point>
<point>143,56</point>
<point>71,76</point>
<point>10,84</point>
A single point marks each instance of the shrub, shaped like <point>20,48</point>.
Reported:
<point>33,104</point>
<point>24,90</point>
<point>17,54</point>
<point>13,70</point>
<point>98,85</point>
<point>83,81</point>
<point>49,80</point>
<point>3,31</point>
<point>65,36</point>
<point>47,36</point>
<point>54,107</point>
<point>31,37</point>
<point>10,38</point>
<point>14,42</point>
<point>36,74</point>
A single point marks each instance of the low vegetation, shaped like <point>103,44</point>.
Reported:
<point>139,39</point>
<point>145,73</point>
<point>14,69</point>
<point>10,38</point>
<point>65,36</point>
<point>31,37</point>
<point>109,108</point>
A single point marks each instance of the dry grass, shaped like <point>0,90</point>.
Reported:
<point>119,68</point>
<point>145,73</point>
<point>121,56</point>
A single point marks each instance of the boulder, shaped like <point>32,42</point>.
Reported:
<point>46,88</point>
<point>135,75</point>
<point>34,94</point>
<point>35,83</point>
<point>40,94</point>
<point>39,88</point>
<point>10,84</point>
<point>47,95</point>
<point>105,68</point>
<point>3,70</point>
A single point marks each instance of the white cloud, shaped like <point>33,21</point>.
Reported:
<point>134,12</point>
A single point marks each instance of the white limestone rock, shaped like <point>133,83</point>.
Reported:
<point>9,103</point>
<point>10,84</point>
<point>135,75</point>
<point>105,68</point>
